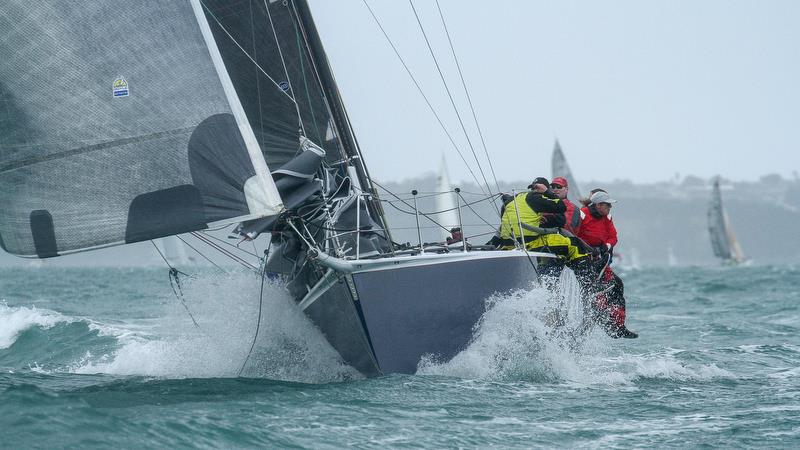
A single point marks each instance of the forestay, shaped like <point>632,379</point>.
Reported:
<point>117,125</point>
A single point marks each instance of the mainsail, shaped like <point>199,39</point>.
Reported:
<point>122,125</point>
<point>560,168</point>
<point>723,240</point>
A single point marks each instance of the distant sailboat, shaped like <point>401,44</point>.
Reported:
<point>632,260</point>
<point>447,214</point>
<point>672,260</point>
<point>723,240</point>
<point>174,250</point>
<point>560,168</point>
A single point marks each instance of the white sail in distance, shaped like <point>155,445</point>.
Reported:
<point>447,214</point>
<point>560,168</point>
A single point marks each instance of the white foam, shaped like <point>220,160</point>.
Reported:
<point>513,341</point>
<point>226,308</point>
<point>16,319</point>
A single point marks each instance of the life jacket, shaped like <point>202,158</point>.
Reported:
<point>509,223</point>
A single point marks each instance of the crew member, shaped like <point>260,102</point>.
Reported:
<point>560,188</point>
<point>598,230</point>
<point>534,218</point>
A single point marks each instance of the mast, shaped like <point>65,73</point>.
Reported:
<point>340,119</point>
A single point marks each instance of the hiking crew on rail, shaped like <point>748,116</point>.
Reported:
<point>538,219</point>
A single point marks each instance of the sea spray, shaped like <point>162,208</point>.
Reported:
<point>288,346</point>
<point>533,335</point>
<point>543,335</point>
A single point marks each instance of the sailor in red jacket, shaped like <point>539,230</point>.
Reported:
<point>560,188</point>
<point>598,230</point>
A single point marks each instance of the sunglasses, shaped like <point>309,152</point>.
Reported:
<point>556,186</point>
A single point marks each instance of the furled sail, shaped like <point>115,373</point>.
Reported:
<point>723,240</point>
<point>120,124</point>
<point>560,168</point>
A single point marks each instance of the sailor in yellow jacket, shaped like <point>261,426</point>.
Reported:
<point>535,217</point>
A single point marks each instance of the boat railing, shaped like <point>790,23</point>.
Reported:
<point>413,207</point>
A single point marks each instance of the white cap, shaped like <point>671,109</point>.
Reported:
<point>601,197</point>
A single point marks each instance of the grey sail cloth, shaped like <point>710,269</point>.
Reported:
<point>266,56</point>
<point>115,127</point>
<point>560,168</point>
<point>723,240</point>
<point>716,225</point>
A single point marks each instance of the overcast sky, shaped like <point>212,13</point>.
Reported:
<point>634,89</point>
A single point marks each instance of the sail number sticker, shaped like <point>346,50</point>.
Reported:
<point>121,88</point>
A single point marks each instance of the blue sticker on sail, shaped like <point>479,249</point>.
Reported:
<point>121,88</point>
<point>284,85</point>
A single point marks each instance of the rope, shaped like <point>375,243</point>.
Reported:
<point>255,254</point>
<point>450,96</point>
<point>173,278</point>
<point>218,248</point>
<point>246,53</point>
<point>200,253</point>
<point>258,322</point>
<point>407,204</point>
<point>419,88</point>
<point>468,205</point>
<point>469,99</point>
<point>285,69</point>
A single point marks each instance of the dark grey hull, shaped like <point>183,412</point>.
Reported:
<point>383,318</point>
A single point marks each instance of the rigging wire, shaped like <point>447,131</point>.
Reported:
<point>419,88</point>
<point>201,254</point>
<point>410,206</point>
<point>469,99</point>
<point>222,242</point>
<point>225,252</point>
<point>261,69</point>
<point>450,95</point>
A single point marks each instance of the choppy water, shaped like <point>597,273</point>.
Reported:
<point>109,357</point>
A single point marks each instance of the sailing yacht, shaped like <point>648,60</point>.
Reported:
<point>723,240</point>
<point>137,121</point>
<point>560,168</point>
<point>446,205</point>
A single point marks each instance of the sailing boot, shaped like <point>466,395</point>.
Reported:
<point>617,328</point>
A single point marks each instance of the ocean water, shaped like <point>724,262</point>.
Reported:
<point>110,358</point>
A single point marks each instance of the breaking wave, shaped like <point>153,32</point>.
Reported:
<point>226,309</point>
